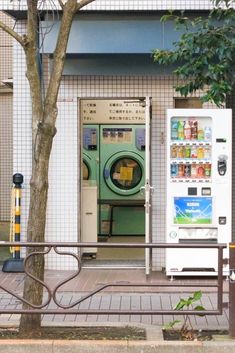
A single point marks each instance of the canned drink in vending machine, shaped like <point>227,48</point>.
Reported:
<point>174,151</point>
<point>207,170</point>
<point>187,171</point>
<point>193,170</point>
<point>174,170</point>
<point>180,152</point>
<point>187,151</point>
<point>200,171</point>
<point>194,152</point>
<point>207,152</point>
<point>200,152</point>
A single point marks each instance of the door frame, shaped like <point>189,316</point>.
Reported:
<point>147,165</point>
<point>148,187</point>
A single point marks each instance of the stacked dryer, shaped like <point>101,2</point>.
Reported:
<point>122,150</point>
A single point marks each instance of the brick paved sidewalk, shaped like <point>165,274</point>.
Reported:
<point>116,298</point>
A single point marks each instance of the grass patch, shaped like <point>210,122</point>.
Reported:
<point>79,333</point>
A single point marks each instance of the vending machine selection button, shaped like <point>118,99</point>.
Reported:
<point>206,191</point>
<point>192,191</point>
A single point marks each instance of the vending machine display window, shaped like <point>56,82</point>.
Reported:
<point>192,210</point>
<point>191,149</point>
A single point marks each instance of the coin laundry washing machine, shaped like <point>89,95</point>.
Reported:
<point>90,168</point>
<point>122,152</point>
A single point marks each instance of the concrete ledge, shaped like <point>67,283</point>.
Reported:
<point>26,346</point>
<point>61,346</point>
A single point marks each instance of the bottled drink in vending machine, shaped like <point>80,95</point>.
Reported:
<point>200,134</point>
<point>194,129</point>
<point>207,132</point>
<point>180,130</point>
<point>187,131</point>
<point>174,129</point>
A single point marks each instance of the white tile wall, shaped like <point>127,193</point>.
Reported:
<point>22,146</point>
<point>6,48</point>
<point>62,212</point>
<point>62,216</point>
<point>107,5</point>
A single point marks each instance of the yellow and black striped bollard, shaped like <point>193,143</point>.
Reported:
<point>15,264</point>
<point>17,219</point>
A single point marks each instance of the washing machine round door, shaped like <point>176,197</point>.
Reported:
<point>86,168</point>
<point>124,173</point>
<point>85,171</point>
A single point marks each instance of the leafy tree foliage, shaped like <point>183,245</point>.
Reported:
<point>205,52</point>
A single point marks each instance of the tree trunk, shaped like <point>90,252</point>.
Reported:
<point>33,291</point>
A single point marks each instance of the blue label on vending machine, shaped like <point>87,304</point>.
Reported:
<point>192,210</point>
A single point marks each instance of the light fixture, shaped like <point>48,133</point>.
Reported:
<point>8,82</point>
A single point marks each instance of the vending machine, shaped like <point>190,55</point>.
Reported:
<point>198,206</point>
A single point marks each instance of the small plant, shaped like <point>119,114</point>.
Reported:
<point>186,330</point>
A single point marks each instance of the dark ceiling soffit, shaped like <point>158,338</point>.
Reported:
<point>22,15</point>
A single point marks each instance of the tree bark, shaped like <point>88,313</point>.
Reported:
<point>33,291</point>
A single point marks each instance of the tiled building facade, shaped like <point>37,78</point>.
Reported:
<point>6,47</point>
<point>63,213</point>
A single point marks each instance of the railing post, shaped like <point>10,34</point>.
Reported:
<point>232,290</point>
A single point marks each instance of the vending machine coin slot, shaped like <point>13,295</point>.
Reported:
<point>222,164</point>
<point>222,220</point>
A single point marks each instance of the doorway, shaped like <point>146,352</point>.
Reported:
<point>113,179</point>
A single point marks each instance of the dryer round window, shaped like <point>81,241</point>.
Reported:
<point>124,173</point>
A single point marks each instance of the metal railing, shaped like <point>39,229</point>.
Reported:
<point>46,248</point>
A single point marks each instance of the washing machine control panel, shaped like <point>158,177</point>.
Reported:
<point>140,139</point>
<point>90,139</point>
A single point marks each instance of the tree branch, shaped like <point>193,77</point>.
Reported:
<point>33,75</point>
<point>70,9</point>
<point>12,33</point>
<point>83,3</point>
<point>61,4</point>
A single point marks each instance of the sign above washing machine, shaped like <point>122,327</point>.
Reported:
<point>113,111</point>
